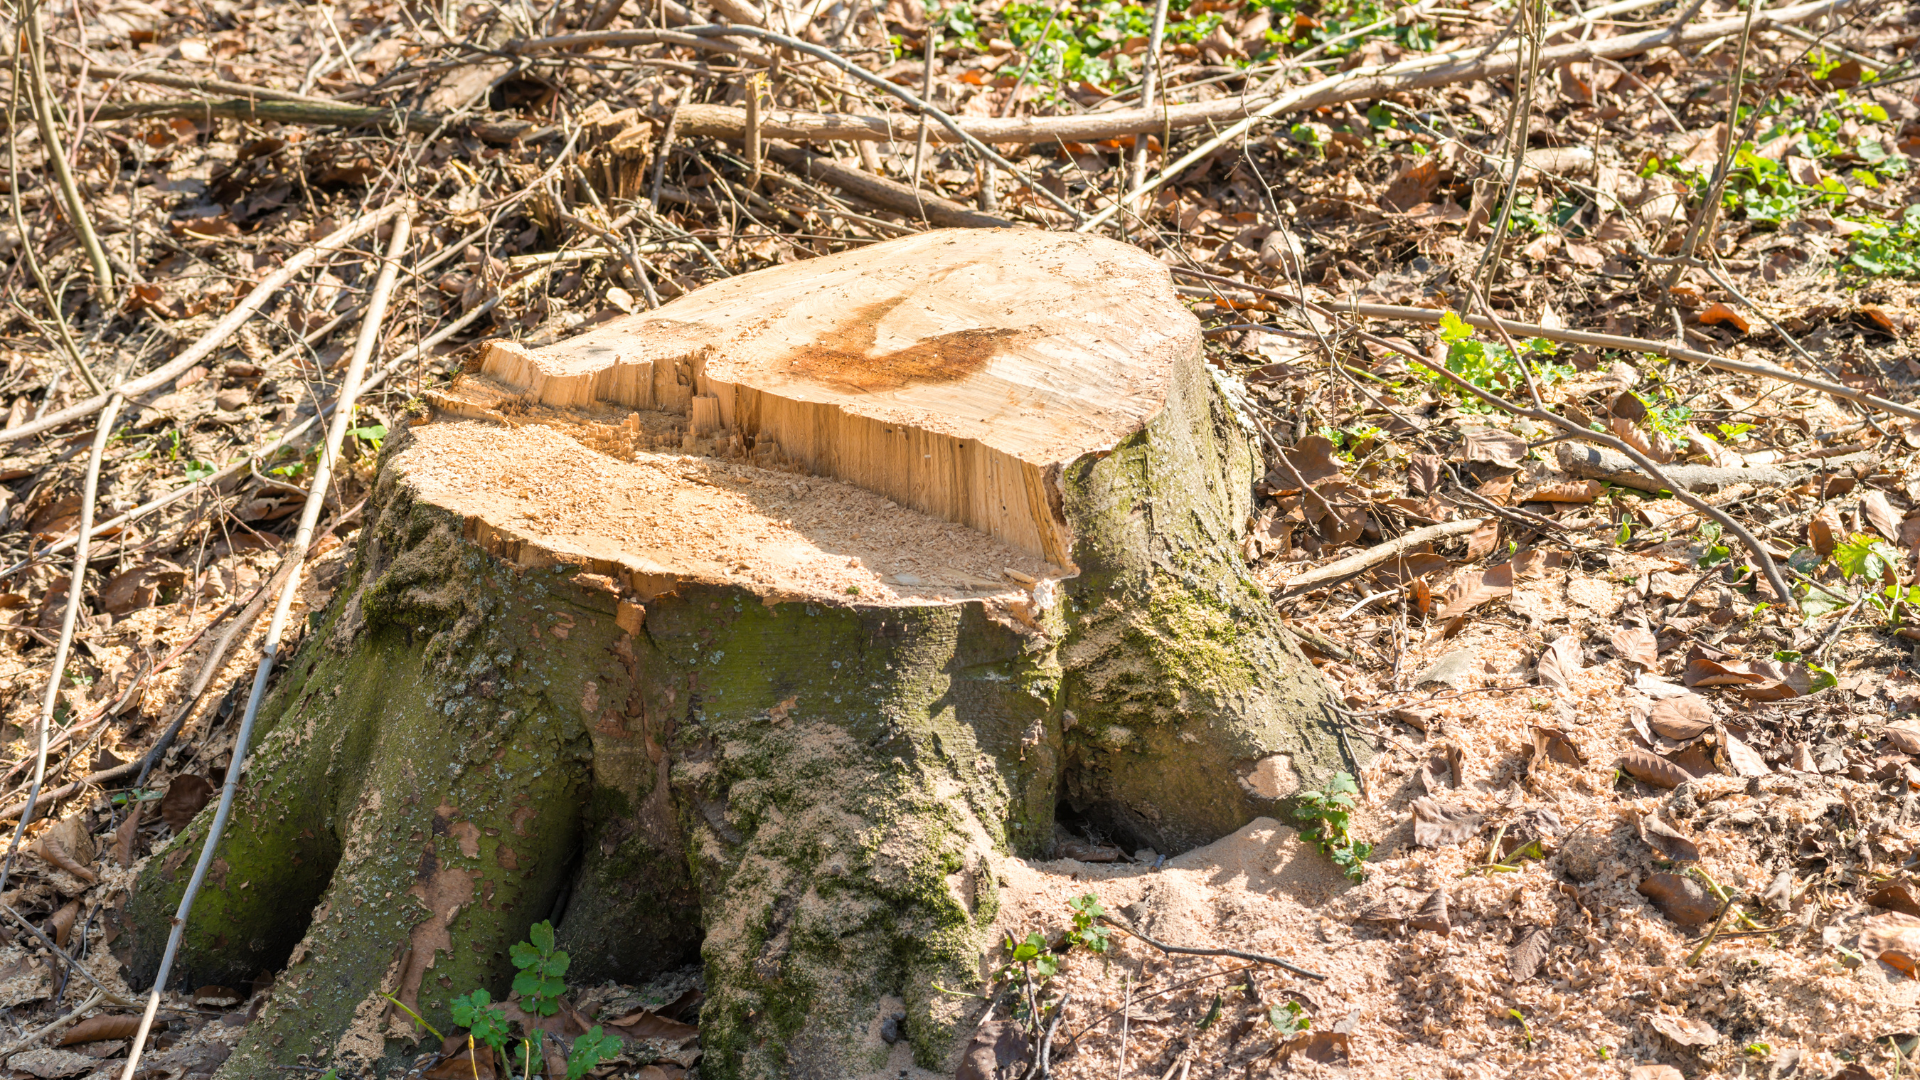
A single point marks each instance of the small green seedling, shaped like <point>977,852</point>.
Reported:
<point>541,965</point>
<point>1326,817</point>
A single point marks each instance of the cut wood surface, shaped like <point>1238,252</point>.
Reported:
<point>949,371</point>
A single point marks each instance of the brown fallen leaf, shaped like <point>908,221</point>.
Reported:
<point>1483,540</point>
<point>186,796</point>
<point>1475,587</point>
<point>1893,938</point>
<point>1904,737</point>
<point>1433,914</point>
<point>100,1029</point>
<point>1560,661</point>
<point>1685,1031</point>
<point>1578,491</point>
<point>1495,447</point>
<point>1444,769</point>
<point>1880,514</point>
<point>463,1058</point>
<point>1528,953</point>
<point>53,846</point>
<point>61,922</point>
<point>127,836</point>
<point>1721,313</point>
<point>1680,898</point>
<point>1653,769</point>
<point>1437,824</point>
<point>1897,896</point>
<point>1667,840</point>
<point>1637,645</point>
<point>1742,759</point>
<point>1681,717</point>
<point>1554,744</point>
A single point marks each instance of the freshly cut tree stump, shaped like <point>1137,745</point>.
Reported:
<point>753,631</point>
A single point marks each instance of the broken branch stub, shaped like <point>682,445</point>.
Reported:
<point>759,628</point>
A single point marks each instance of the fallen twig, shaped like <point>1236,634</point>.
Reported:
<point>221,331</point>
<point>1583,337</point>
<point>1235,953</point>
<point>269,650</point>
<point>1379,553</point>
<point>58,669</point>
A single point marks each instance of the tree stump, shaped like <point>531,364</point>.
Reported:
<point>751,631</point>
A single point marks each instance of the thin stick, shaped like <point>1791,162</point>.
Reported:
<point>40,96</point>
<point>913,100</point>
<point>374,378</point>
<point>1235,953</point>
<point>58,671</point>
<point>92,999</point>
<point>1149,91</point>
<point>217,336</point>
<point>1380,553</point>
<point>1584,337</point>
<point>269,650</point>
<point>1374,82</point>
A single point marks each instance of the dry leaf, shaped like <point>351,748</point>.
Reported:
<point>100,1029</point>
<point>62,922</point>
<point>1445,769</point>
<point>1578,491</point>
<point>1741,758</point>
<point>1475,587</point>
<point>1553,744</point>
<point>1559,663</point>
<point>1529,953</point>
<point>1880,514</point>
<point>1824,531</point>
<point>186,796</point>
<point>1682,717</point>
<point>1721,313</point>
<point>1433,914</point>
<point>1684,1030</point>
<point>1653,769</point>
<point>1495,447</point>
<point>1667,840</point>
<point>1483,540</point>
<point>127,836</point>
<point>463,1058</point>
<point>1904,737</point>
<point>1437,824</point>
<point>1893,938</point>
<point>1897,896</point>
<point>1680,898</point>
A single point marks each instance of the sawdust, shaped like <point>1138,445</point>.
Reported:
<point>779,534</point>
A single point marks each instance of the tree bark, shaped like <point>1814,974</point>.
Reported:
<point>774,704</point>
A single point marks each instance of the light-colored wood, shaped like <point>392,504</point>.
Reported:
<point>954,372</point>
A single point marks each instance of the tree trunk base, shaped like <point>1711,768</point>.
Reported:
<point>687,707</point>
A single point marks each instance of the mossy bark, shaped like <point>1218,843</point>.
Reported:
<point>807,796</point>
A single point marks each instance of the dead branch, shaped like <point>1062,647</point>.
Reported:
<point>1379,553</point>
<point>1589,338</point>
<point>884,193</point>
<point>217,336</point>
<point>1598,463</point>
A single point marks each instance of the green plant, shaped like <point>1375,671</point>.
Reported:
<point>483,1019</point>
<point>1327,816</point>
<point>1087,931</point>
<point>1490,367</point>
<point>539,984</point>
<point>590,1050</point>
<point>1289,1019</point>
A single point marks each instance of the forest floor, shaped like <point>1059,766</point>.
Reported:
<point>1624,807</point>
